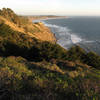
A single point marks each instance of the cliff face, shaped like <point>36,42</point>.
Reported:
<point>44,33</point>
<point>21,24</point>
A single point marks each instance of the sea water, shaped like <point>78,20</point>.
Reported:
<point>83,31</point>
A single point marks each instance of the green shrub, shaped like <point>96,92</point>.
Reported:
<point>76,53</point>
<point>93,59</point>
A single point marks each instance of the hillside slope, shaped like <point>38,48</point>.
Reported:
<point>23,80</point>
<point>21,24</point>
<point>34,67</point>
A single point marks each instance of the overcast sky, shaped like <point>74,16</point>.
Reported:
<point>53,7</point>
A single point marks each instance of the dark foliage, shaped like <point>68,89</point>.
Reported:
<point>53,74</point>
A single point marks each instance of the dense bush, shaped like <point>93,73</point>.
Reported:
<point>20,79</point>
<point>5,30</point>
<point>50,51</point>
<point>93,59</point>
<point>76,53</point>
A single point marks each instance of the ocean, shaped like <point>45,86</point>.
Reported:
<point>82,31</point>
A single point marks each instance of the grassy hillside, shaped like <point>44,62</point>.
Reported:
<point>23,80</point>
<point>34,69</point>
<point>11,16</point>
<point>22,24</point>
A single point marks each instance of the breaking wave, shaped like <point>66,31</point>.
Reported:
<point>64,35</point>
<point>66,38</point>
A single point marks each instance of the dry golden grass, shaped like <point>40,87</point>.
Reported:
<point>73,74</point>
<point>44,34</point>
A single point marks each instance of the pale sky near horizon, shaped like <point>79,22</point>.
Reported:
<point>53,7</point>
